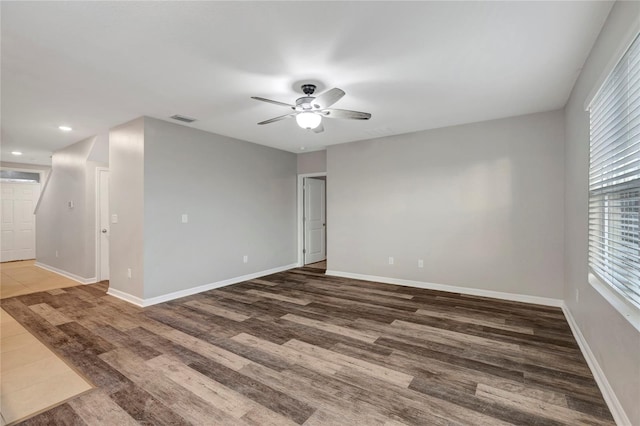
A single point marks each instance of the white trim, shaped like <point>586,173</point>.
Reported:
<point>616,299</point>
<point>452,289</point>
<point>625,43</point>
<point>609,395</point>
<point>35,222</point>
<point>188,292</point>
<point>126,297</point>
<point>66,274</point>
<point>301,212</point>
<point>97,222</point>
<point>44,174</point>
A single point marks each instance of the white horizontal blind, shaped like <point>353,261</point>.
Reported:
<point>614,178</point>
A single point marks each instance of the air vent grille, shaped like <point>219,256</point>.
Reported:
<point>183,118</point>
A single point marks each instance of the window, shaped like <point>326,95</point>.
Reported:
<point>15,176</point>
<point>614,178</point>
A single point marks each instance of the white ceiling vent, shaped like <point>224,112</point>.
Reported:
<point>183,118</point>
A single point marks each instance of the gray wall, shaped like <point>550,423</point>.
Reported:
<point>239,198</point>
<point>613,341</point>
<point>312,162</point>
<point>126,200</point>
<point>482,204</point>
<point>68,230</point>
<point>100,150</point>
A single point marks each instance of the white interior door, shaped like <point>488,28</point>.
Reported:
<point>314,220</point>
<point>17,221</point>
<point>103,224</point>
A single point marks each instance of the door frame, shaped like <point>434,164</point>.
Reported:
<point>44,173</point>
<point>44,178</point>
<point>301,212</point>
<point>97,221</point>
<point>35,241</point>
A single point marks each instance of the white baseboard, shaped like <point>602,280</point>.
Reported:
<point>610,397</point>
<point>126,297</point>
<point>452,289</point>
<point>66,274</point>
<point>189,291</point>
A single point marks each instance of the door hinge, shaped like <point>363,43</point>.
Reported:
<point>304,251</point>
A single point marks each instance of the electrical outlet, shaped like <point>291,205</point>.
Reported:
<point>391,261</point>
<point>245,259</point>
<point>128,272</point>
<point>185,218</point>
<point>420,263</point>
<point>577,295</point>
<point>56,253</point>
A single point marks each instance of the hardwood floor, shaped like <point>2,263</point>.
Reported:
<point>299,347</point>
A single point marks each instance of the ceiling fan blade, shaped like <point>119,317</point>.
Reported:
<point>327,98</point>
<point>345,113</point>
<point>273,120</point>
<point>319,129</point>
<point>257,98</point>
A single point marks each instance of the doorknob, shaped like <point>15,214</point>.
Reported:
<point>104,230</point>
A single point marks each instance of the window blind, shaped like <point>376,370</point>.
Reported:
<point>614,178</point>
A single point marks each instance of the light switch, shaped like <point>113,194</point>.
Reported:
<point>185,218</point>
<point>114,218</point>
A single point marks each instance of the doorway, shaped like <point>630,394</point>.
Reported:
<point>102,224</point>
<point>312,219</point>
<point>17,218</point>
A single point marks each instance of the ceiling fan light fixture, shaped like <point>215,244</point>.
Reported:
<point>308,120</point>
<point>309,110</point>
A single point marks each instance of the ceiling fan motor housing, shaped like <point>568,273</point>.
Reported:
<point>304,103</point>
<point>308,89</point>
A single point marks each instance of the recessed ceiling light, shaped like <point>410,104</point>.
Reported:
<point>65,128</point>
<point>16,153</point>
<point>302,148</point>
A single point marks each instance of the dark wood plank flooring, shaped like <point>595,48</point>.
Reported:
<point>299,347</point>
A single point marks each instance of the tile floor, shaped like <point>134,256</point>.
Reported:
<point>32,378</point>
<point>23,277</point>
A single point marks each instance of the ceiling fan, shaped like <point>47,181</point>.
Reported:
<point>310,109</point>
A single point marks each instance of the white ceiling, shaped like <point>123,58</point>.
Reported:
<point>413,65</point>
